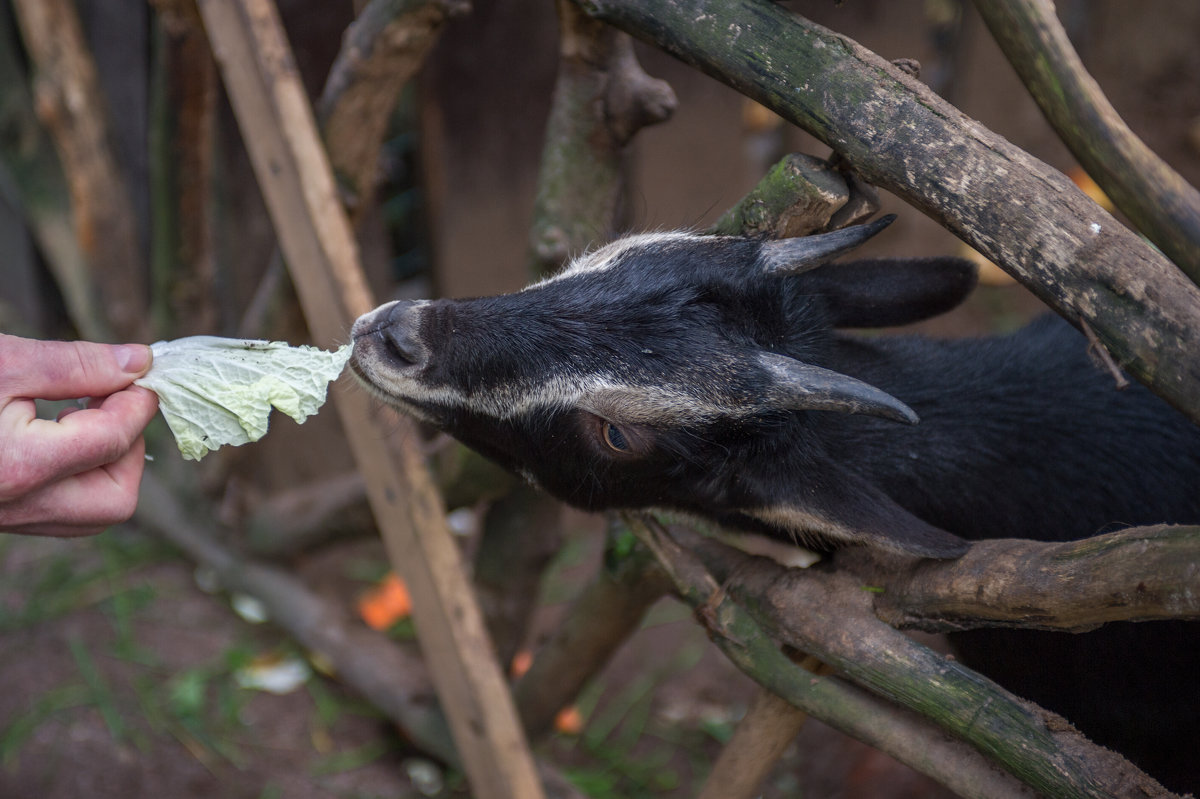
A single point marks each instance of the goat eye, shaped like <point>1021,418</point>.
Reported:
<point>614,437</point>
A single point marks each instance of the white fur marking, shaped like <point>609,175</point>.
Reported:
<point>607,256</point>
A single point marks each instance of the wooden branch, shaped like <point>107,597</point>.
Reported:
<point>381,51</point>
<point>28,156</point>
<point>601,618</point>
<point>1155,197</point>
<point>828,613</point>
<point>601,99</point>
<point>903,735</point>
<point>761,737</point>
<point>900,136</point>
<point>70,105</point>
<point>315,235</point>
<point>797,197</point>
<point>308,514</point>
<point>1138,574</point>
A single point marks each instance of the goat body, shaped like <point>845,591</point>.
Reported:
<point>707,374</point>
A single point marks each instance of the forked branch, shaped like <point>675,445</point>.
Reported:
<point>829,613</point>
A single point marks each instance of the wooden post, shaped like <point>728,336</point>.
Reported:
<point>315,236</point>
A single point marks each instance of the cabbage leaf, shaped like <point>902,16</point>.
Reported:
<point>215,391</point>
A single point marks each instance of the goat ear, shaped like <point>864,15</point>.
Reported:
<point>837,505</point>
<point>883,293</point>
<point>798,255</point>
<point>796,385</point>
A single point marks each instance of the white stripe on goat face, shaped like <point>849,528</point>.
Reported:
<point>603,395</point>
<point>611,254</point>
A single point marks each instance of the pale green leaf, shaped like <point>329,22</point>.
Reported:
<point>215,391</point>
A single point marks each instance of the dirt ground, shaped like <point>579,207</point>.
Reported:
<point>121,673</point>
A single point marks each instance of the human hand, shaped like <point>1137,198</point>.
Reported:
<point>79,473</point>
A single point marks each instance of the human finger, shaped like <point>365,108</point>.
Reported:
<point>82,504</point>
<point>68,369</point>
<point>36,452</point>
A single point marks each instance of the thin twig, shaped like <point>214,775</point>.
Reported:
<point>1100,351</point>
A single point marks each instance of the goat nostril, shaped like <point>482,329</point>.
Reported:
<point>398,335</point>
<point>401,345</point>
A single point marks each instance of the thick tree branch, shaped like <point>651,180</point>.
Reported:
<point>1138,574</point>
<point>829,614</point>
<point>1154,196</point>
<point>900,136</point>
<point>797,197</point>
<point>183,261</point>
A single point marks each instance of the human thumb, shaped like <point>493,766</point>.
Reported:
<point>134,359</point>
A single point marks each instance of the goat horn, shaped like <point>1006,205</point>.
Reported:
<point>799,255</point>
<point>802,386</point>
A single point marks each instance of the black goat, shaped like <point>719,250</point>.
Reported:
<point>704,374</point>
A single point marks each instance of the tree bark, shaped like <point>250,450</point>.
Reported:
<point>1153,195</point>
<point>69,103</point>
<point>601,99</point>
<point>381,51</point>
<point>797,197</point>
<point>185,297</point>
<point>898,135</point>
<point>1138,574</point>
<point>29,158</point>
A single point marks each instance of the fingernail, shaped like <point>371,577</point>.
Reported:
<point>133,358</point>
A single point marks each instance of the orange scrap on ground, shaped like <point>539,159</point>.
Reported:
<point>386,603</point>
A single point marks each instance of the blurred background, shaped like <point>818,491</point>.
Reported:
<point>124,675</point>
